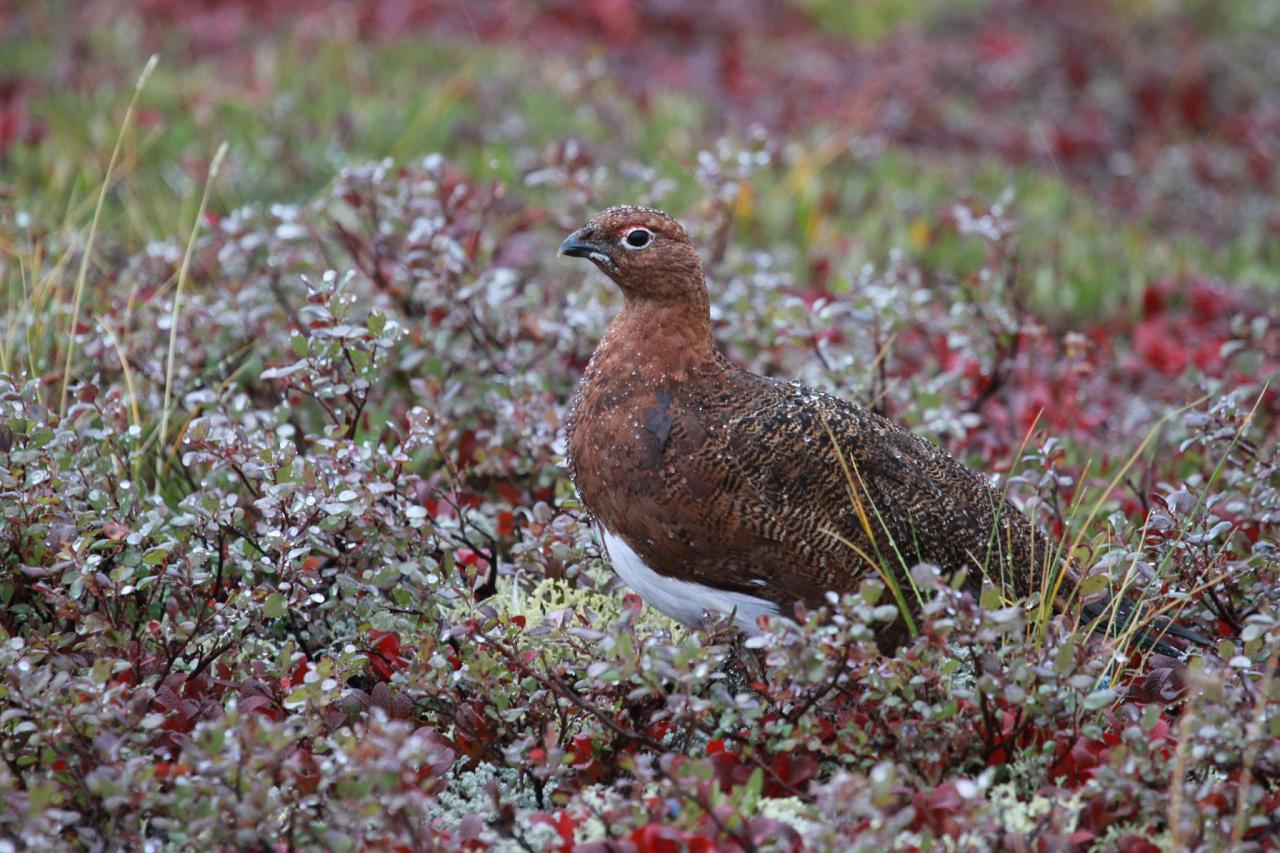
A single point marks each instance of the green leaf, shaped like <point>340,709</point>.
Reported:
<point>102,670</point>
<point>275,606</point>
<point>1065,661</point>
<point>751,791</point>
<point>1100,699</point>
<point>1093,585</point>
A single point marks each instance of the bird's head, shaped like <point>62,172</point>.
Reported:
<point>644,251</point>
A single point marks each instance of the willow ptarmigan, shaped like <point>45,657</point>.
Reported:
<point>716,489</point>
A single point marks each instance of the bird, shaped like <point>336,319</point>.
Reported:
<point>718,490</point>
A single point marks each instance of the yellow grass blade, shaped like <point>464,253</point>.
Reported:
<point>93,229</point>
<point>214,166</point>
<point>888,578</point>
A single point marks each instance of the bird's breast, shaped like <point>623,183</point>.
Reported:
<point>631,455</point>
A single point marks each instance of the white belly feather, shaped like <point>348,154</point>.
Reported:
<point>683,601</point>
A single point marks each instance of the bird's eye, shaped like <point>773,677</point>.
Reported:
<point>638,238</point>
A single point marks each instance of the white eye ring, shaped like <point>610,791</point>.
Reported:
<point>642,233</point>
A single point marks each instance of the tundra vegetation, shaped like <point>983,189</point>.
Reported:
<point>288,558</point>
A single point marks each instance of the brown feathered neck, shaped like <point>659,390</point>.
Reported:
<point>671,330</point>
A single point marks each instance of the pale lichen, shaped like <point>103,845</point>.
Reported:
<point>1022,808</point>
<point>794,811</point>
<point>558,601</point>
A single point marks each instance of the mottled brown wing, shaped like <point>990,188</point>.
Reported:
<point>774,471</point>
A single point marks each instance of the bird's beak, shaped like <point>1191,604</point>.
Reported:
<point>576,245</point>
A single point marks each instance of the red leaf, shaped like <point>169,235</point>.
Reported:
<point>564,825</point>
<point>657,838</point>
<point>298,674</point>
<point>631,604</point>
<point>583,750</point>
<point>262,704</point>
<point>1153,340</point>
<point>386,655</point>
<point>506,523</point>
<point>793,770</point>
